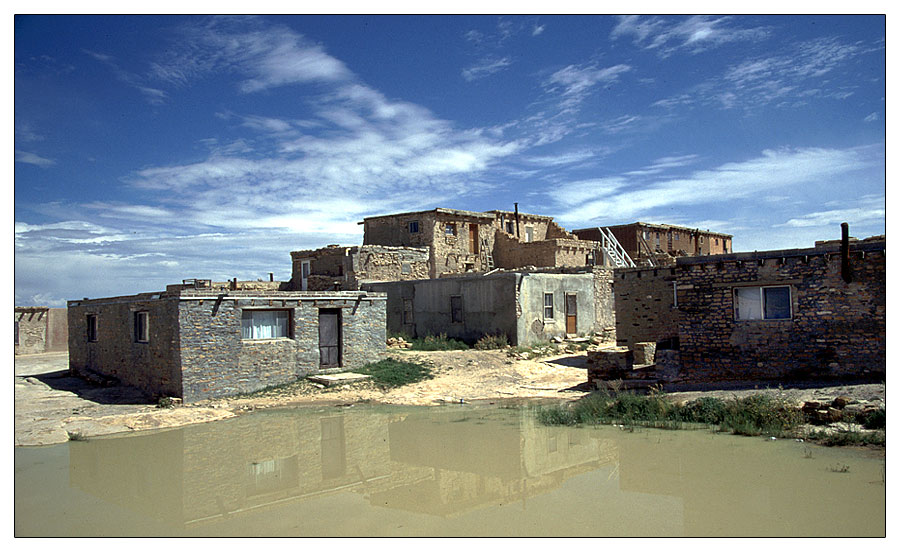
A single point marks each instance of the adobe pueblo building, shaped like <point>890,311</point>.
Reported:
<point>446,242</point>
<point>202,339</point>
<point>660,244</point>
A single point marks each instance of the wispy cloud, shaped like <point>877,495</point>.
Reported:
<point>264,56</point>
<point>663,164</point>
<point>871,117</point>
<point>694,34</point>
<point>538,29</point>
<point>620,198</point>
<point>485,68</point>
<point>791,78</point>
<point>152,95</point>
<point>575,82</point>
<point>33,159</point>
<point>868,209</point>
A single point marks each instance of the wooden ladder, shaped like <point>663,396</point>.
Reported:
<point>487,258</point>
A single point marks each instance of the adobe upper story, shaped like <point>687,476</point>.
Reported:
<point>643,240</point>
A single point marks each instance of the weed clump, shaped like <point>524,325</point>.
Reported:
<point>391,372</point>
<point>438,342</point>
<point>499,341</point>
<point>753,415</point>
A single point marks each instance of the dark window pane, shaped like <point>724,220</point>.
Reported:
<point>777,302</point>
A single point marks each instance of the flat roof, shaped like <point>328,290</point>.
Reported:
<point>874,245</point>
<point>438,210</point>
<point>661,227</point>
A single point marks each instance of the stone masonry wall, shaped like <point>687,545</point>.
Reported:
<point>604,300</point>
<point>153,366</point>
<point>374,263</point>
<point>836,328</point>
<point>31,329</point>
<point>645,305</point>
<point>217,362</point>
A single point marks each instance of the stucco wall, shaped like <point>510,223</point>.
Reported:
<point>488,306</point>
<point>533,327</point>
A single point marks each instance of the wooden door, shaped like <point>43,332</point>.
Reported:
<point>329,338</point>
<point>473,239</point>
<point>571,313</point>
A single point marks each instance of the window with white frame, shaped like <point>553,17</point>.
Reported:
<point>548,306</point>
<point>265,324</point>
<point>529,234</point>
<point>450,229</point>
<point>762,303</point>
<point>142,327</point>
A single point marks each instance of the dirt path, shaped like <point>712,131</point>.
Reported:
<point>50,405</point>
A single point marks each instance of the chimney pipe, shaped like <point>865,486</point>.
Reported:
<point>846,272</point>
<point>517,219</point>
<point>271,276</point>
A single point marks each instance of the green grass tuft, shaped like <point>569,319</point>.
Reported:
<point>394,373</point>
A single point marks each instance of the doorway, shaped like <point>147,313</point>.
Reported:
<point>330,338</point>
<point>571,313</point>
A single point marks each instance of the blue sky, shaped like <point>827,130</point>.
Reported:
<point>150,149</point>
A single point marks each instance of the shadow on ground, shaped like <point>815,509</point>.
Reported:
<point>62,380</point>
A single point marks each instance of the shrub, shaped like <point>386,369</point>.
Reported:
<point>394,373</point>
<point>437,343</point>
<point>874,420</point>
<point>487,342</point>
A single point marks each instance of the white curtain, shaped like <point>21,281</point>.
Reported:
<point>264,324</point>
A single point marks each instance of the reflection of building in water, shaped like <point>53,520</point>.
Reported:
<point>441,463</point>
<point>464,465</point>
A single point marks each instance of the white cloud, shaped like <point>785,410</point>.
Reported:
<point>538,29</point>
<point>774,170</point>
<point>574,83</point>
<point>265,56</point>
<point>33,159</point>
<point>871,117</point>
<point>693,34</point>
<point>868,210</point>
<point>485,68</point>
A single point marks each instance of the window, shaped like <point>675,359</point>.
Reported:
<point>510,227</point>
<point>142,327</point>
<point>413,227</point>
<point>762,303</point>
<point>92,327</point>
<point>676,236</point>
<point>407,311</point>
<point>456,309</point>
<point>450,229</point>
<point>548,306</point>
<point>265,324</point>
<point>529,233</point>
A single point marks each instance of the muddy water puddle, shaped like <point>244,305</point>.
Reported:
<point>448,471</point>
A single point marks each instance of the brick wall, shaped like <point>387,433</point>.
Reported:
<point>645,305</point>
<point>836,328</point>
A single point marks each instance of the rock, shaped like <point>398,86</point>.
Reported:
<point>556,339</point>
<point>841,402</point>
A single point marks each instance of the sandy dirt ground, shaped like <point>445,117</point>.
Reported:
<point>51,406</point>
